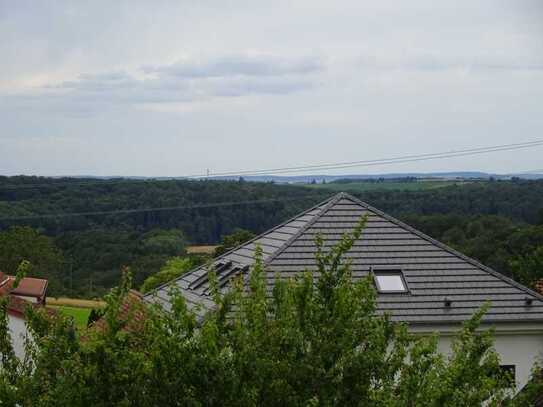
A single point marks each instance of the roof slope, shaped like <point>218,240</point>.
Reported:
<point>31,287</point>
<point>16,305</point>
<point>28,286</point>
<point>432,270</point>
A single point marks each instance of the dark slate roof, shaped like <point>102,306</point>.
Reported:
<point>432,270</point>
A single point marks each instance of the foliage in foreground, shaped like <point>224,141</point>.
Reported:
<point>307,343</point>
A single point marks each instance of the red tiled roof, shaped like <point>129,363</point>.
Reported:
<point>31,287</point>
<point>132,312</point>
<point>17,307</point>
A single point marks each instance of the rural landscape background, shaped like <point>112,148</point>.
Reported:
<point>78,232</point>
<point>141,142</point>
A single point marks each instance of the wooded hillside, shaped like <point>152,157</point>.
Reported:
<point>144,223</point>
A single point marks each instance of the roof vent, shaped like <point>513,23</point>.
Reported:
<point>447,302</point>
<point>528,301</point>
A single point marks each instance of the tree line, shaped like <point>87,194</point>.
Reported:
<point>499,223</point>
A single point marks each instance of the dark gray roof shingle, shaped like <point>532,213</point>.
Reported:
<point>432,270</point>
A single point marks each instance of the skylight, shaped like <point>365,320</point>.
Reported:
<point>390,281</point>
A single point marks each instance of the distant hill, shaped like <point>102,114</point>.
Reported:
<point>463,175</point>
<point>306,179</point>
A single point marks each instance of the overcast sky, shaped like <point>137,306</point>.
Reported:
<point>162,88</point>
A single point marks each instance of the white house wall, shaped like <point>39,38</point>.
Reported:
<point>18,332</point>
<point>27,298</point>
<point>520,345</point>
<point>519,350</point>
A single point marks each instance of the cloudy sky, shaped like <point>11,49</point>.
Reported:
<point>163,88</point>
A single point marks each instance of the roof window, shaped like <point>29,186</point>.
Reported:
<point>390,281</point>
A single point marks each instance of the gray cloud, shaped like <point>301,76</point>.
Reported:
<point>241,65</point>
<point>98,82</point>
<point>231,76</point>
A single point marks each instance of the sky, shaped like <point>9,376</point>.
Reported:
<point>174,88</point>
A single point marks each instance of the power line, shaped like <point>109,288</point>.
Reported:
<point>382,161</point>
<point>305,168</point>
<point>159,209</point>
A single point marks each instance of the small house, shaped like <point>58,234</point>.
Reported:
<point>29,292</point>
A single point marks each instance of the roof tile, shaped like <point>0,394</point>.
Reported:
<point>433,271</point>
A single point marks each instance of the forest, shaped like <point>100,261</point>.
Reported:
<point>78,233</point>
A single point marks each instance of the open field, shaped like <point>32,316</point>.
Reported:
<point>80,315</point>
<point>77,308</point>
<point>364,186</point>
<point>75,302</point>
<point>202,249</point>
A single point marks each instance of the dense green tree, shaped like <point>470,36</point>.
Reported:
<point>528,269</point>
<point>524,240</point>
<point>96,246</point>
<point>20,243</point>
<point>170,242</point>
<point>540,217</point>
<point>235,239</point>
<point>97,255</point>
<point>174,267</point>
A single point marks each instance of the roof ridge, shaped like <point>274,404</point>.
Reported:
<point>327,205</point>
<point>443,246</point>
<point>263,234</point>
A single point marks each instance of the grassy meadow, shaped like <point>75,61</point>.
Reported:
<point>80,315</point>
